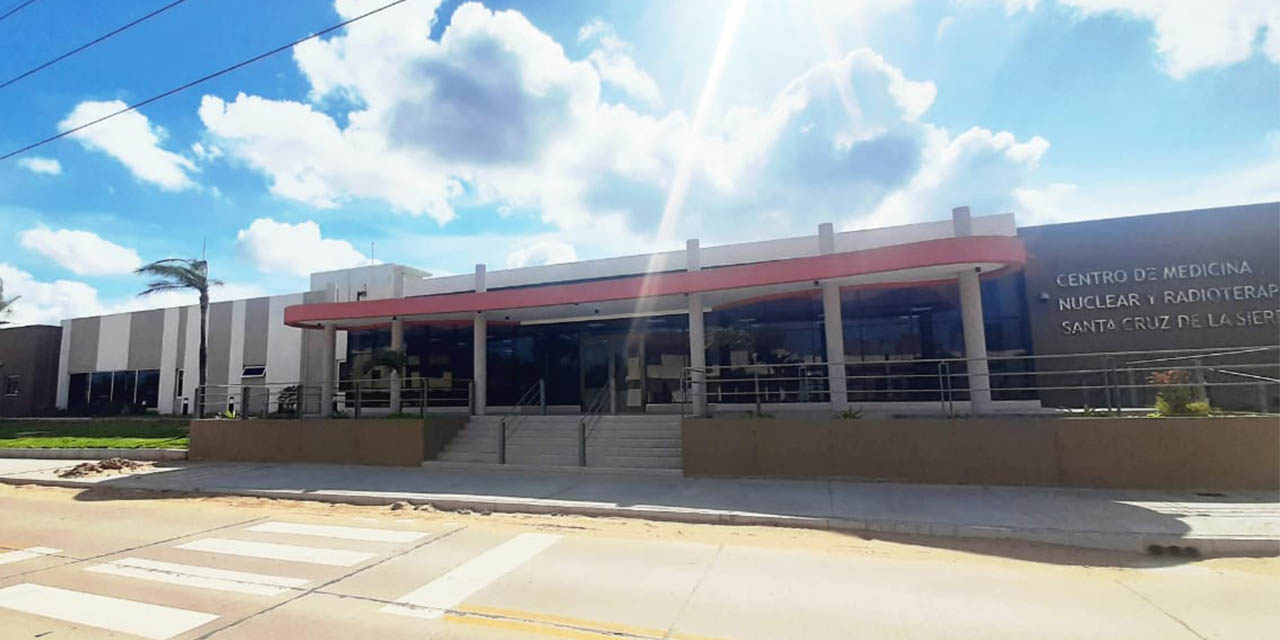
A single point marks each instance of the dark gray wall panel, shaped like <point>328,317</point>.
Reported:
<point>257,316</point>
<point>146,339</point>
<point>219,342</point>
<point>84,345</point>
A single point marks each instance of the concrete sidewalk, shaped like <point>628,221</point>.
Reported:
<point>1234,523</point>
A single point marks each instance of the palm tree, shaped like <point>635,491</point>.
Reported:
<point>176,274</point>
<point>394,359</point>
<point>5,303</point>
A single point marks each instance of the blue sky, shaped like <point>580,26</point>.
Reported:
<point>439,135</point>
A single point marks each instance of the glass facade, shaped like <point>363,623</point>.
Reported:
<point>113,392</point>
<point>767,349</point>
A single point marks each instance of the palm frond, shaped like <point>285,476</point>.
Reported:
<point>177,273</point>
<point>395,359</point>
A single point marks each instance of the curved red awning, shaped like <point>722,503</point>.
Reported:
<point>1002,250</point>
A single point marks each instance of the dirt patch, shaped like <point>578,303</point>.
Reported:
<point>102,466</point>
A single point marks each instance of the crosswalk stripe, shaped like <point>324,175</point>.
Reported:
<point>200,577</point>
<point>432,599</point>
<point>27,554</point>
<point>273,551</point>
<point>114,614</point>
<point>345,533</point>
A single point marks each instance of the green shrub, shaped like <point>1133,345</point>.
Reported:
<point>1175,392</point>
<point>849,414</point>
<point>1199,408</point>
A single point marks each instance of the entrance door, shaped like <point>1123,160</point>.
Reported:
<point>613,357</point>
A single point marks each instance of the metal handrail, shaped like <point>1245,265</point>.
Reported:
<point>1016,376</point>
<point>537,390</point>
<point>1207,355</point>
<point>416,392</point>
<point>591,418</point>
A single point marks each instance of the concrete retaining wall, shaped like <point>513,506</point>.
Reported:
<point>373,441</point>
<point>1164,453</point>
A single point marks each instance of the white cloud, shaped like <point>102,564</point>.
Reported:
<point>615,66</point>
<point>297,249</point>
<point>203,152</point>
<point>943,24</point>
<point>541,252</point>
<point>497,111</point>
<point>977,168</point>
<point>1064,202</point>
<point>82,252</point>
<point>46,302</point>
<point>37,164</point>
<point>1193,35</point>
<point>131,139</point>
<point>43,302</point>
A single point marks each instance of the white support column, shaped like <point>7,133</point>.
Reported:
<point>480,350</point>
<point>975,334</point>
<point>833,326</point>
<point>327,364</point>
<point>397,344</point>
<point>697,336</point>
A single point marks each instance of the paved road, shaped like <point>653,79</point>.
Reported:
<point>97,565</point>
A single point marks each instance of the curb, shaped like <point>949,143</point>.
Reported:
<point>1130,542</point>
<point>95,454</point>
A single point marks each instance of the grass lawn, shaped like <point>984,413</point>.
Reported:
<point>120,433</point>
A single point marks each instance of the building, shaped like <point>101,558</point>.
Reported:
<point>972,310</point>
<point>28,370</point>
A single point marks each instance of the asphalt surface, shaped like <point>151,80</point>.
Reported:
<point>79,564</point>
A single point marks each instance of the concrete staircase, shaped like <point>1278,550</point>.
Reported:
<point>615,441</point>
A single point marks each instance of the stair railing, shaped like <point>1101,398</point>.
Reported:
<point>515,415</point>
<point>591,417</point>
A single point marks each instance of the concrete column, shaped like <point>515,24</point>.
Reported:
<point>833,326</point>
<point>327,363</point>
<point>697,336</point>
<point>397,344</point>
<point>480,350</point>
<point>975,333</point>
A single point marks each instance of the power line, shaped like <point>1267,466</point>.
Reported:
<point>16,9</point>
<point>90,43</point>
<point>201,80</point>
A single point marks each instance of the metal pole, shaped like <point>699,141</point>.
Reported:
<point>582,441</point>
<point>1106,390</point>
<point>1198,376</point>
<point>422,403</point>
<point>358,403</point>
<point>1263,405</point>
<point>1133,390</point>
<point>613,394</point>
<point>542,394</point>
<point>502,441</point>
<point>756,376</point>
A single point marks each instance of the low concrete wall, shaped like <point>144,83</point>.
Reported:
<point>1172,453</point>
<point>377,441</point>
<point>95,454</point>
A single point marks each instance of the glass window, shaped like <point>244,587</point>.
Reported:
<point>100,390</point>
<point>148,388</point>
<point>253,372</point>
<point>123,387</point>
<point>78,392</point>
<point>11,385</point>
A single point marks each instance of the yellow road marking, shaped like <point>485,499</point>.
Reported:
<point>559,626</point>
